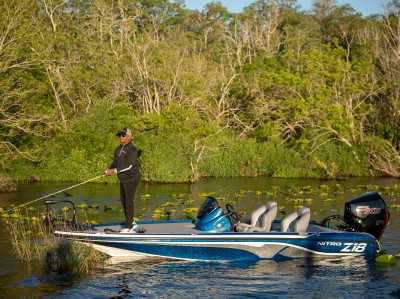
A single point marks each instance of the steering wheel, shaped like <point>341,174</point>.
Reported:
<point>232,214</point>
<point>336,222</point>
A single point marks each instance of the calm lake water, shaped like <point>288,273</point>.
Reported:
<point>325,278</point>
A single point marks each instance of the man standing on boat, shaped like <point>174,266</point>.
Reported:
<point>125,165</point>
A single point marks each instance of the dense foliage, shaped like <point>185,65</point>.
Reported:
<point>271,91</point>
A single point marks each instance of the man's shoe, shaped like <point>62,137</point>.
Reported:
<point>134,225</point>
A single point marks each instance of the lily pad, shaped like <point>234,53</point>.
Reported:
<point>110,208</point>
<point>145,197</point>
<point>385,260</point>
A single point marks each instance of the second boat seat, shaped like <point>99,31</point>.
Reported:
<point>296,221</point>
<point>260,219</point>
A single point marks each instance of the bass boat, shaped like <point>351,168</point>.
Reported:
<point>218,235</point>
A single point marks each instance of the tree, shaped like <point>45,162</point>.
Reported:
<point>19,116</point>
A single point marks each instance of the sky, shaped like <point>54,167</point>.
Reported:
<point>366,7</point>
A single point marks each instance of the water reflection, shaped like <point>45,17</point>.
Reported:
<point>123,285</point>
<point>330,278</point>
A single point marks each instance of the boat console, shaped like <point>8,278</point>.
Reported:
<point>211,217</point>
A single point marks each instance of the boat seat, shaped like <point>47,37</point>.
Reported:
<point>296,221</point>
<point>260,219</point>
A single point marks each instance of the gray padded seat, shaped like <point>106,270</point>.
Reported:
<point>260,219</point>
<point>296,221</point>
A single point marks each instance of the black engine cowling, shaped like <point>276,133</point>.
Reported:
<point>367,213</point>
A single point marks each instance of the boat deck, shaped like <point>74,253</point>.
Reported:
<point>185,228</point>
<point>155,228</point>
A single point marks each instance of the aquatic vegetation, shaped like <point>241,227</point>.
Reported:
<point>111,208</point>
<point>221,198</point>
<point>178,196</point>
<point>71,256</point>
<point>159,214</point>
<point>296,207</point>
<point>88,222</point>
<point>205,195</point>
<point>168,204</point>
<point>33,242</point>
<point>13,215</point>
<point>142,213</point>
<point>145,197</point>
<point>232,202</point>
<point>328,199</point>
<point>189,213</point>
<point>81,206</point>
<point>385,260</point>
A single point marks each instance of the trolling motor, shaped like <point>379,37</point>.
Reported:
<point>211,217</point>
<point>365,213</point>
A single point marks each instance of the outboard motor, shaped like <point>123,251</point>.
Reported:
<point>211,217</point>
<point>367,213</point>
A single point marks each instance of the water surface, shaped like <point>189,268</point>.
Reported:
<point>323,278</point>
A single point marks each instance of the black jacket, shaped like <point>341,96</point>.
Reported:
<point>125,157</point>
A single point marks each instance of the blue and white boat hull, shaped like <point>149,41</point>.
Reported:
<point>227,246</point>
<point>215,236</point>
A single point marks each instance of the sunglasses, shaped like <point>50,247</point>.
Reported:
<point>122,135</point>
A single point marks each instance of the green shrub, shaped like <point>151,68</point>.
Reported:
<point>335,159</point>
<point>165,157</point>
<point>6,184</point>
<point>243,157</point>
<point>178,146</point>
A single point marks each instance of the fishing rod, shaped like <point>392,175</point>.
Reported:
<point>48,195</point>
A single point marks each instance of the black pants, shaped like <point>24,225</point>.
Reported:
<point>127,192</point>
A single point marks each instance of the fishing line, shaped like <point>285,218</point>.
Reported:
<point>43,197</point>
<point>48,195</point>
